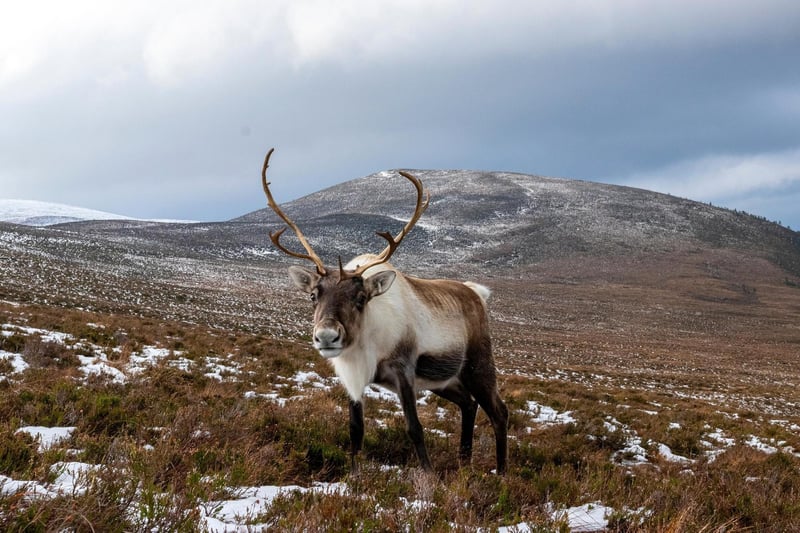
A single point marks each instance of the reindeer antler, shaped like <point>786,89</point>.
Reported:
<point>276,236</point>
<point>394,242</point>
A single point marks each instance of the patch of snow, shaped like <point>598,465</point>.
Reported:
<point>222,369</point>
<point>760,445</point>
<point>146,357</point>
<point>98,366</point>
<point>183,364</point>
<point>543,414</point>
<point>633,453</point>
<point>791,426</point>
<point>718,446</point>
<point>46,335</point>
<point>274,397</point>
<point>379,393</point>
<point>719,436</point>
<point>315,380</point>
<point>36,213</point>
<point>72,477</point>
<point>18,364</point>
<point>667,454</point>
<point>47,437</point>
<point>585,518</point>
<point>31,489</point>
<point>233,515</point>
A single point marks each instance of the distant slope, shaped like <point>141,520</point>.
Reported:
<point>479,221</point>
<point>509,230</point>
<point>507,219</point>
<point>35,213</point>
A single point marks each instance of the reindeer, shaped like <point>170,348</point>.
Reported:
<point>377,325</point>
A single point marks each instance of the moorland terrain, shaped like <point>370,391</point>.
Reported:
<point>647,346</point>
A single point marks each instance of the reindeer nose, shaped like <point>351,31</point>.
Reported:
<point>328,340</point>
<point>327,336</point>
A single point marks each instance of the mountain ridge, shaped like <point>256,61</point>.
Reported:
<point>39,213</point>
<point>544,217</point>
<point>506,230</point>
<point>477,219</point>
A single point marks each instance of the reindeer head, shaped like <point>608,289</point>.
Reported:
<point>339,304</point>
<point>340,296</point>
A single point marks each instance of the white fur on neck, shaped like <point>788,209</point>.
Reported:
<point>357,365</point>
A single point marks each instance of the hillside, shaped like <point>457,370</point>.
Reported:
<point>479,225</point>
<point>646,347</point>
<point>508,220</point>
<point>35,213</point>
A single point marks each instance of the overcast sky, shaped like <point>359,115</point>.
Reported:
<point>166,109</point>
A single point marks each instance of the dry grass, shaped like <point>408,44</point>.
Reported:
<point>709,349</point>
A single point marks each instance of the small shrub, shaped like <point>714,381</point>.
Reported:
<point>13,343</point>
<point>105,415</point>
<point>5,366</point>
<point>17,453</point>
<point>44,354</point>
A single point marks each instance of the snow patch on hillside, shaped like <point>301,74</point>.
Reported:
<point>36,213</point>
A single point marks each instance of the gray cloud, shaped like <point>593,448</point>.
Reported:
<point>166,111</point>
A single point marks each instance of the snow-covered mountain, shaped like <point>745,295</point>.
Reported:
<point>36,213</point>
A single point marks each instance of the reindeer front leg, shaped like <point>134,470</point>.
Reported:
<point>408,400</point>
<point>356,431</point>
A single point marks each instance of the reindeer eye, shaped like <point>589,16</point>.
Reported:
<point>314,297</point>
<point>361,300</point>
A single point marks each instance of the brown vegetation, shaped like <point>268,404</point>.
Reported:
<point>685,349</point>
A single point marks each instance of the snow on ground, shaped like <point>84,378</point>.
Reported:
<point>18,364</point>
<point>145,358</point>
<point>236,515</point>
<point>36,213</point>
<point>716,442</point>
<point>770,446</point>
<point>379,393</point>
<point>7,330</point>
<point>30,489</point>
<point>98,364</point>
<point>583,518</point>
<point>587,517</point>
<point>665,452</point>
<point>633,453</point>
<point>302,378</point>
<point>47,437</point>
<point>542,414</point>
<point>222,369</point>
<point>72,477</point>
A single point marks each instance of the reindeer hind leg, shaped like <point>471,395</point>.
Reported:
<point>480,380</point>
<point>459,395</point>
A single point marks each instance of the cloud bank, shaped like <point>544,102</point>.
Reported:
<point>165,109</point>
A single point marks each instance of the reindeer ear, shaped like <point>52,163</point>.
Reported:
<point>379,283</point>
<point>303,278</point>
